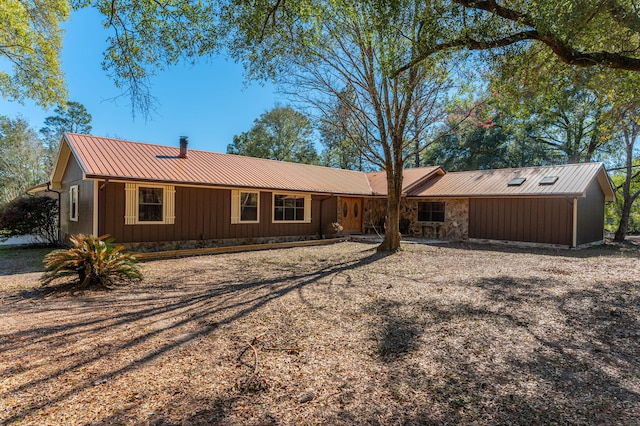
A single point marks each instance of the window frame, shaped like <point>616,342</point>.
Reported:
<point>236,206</point>
<point>138,204</point>
<point>73,208</point>
<point>306,214</point>
<point>431,211</point>
<point>132,204</point>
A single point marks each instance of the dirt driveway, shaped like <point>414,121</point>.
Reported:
<point>336,334</point>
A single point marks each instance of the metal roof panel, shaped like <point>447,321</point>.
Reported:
<point>573,180</point>
<point>115,158</point>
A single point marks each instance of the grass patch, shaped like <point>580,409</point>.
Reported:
<point>22,259</point>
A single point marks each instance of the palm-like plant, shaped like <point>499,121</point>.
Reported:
<point>94,260</point>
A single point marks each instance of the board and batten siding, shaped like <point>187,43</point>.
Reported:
<point>591,215</point>
<point>84,225</point>
<point>201,214</point>
<point>534,220</point>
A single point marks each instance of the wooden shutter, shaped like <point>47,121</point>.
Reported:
<point>130,203</point>
<point>307,208</point>
<point>235,206</point>
<point>170,204</point>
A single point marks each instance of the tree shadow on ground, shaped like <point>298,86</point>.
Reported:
<point>499,362</point>
<point>492,359</point>
<point>202,311</point>
<point>396,333</point>
<point>609,249</point>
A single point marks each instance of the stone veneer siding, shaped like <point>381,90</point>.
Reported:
<point>455,226</point>
<point>145,247</point>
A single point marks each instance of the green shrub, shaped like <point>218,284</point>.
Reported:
<point>29,215</point>
<point>95,261</point>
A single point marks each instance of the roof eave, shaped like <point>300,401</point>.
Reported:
<point>438,170</point>
<point>527,195</point>
<point>605,184</point>
<point>112,178</point>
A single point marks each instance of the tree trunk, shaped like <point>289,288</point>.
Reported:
<point>621,232</point>
<point>627,198</point>
<point>392,235</point>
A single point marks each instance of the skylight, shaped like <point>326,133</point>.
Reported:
<point>548,180</point>
<point>516,181</point>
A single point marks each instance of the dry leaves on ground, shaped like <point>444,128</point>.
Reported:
<point>338,334</point>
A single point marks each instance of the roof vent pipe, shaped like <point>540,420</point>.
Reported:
<point>184,141</point>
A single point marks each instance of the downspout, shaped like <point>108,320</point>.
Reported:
<point>59,210</point>
<point>575,223</point>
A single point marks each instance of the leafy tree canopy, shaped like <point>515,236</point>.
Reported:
<point>144,37</point>
<point>147,36</point>
<point>71,117</point>
<point>30,46</point>
<point>558,107</point>
<point>280,134</point>
<point>585,34</point>
<point>21,156</point>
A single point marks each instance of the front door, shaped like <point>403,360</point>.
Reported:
<point>351,214</point>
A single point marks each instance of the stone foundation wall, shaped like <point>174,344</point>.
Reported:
<point>145,247</point>
<point>455,227</point>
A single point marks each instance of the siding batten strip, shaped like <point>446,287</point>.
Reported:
<point>575,223</point>
<point>96,191</point>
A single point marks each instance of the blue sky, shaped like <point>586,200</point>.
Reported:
<point>209,102</point>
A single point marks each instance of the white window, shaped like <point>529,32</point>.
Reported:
<point>73,203</point>
<point>291,208</point>
<point>245,206</point>
<point>149,204</point>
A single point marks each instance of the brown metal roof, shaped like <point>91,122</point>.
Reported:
<point>114,158</point>
<point>125,160</point>
<point>410,178</point>
<point>573,180</point>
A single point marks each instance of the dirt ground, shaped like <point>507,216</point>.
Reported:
<point>339,334</point>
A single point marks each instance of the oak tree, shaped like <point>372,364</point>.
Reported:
<point>146,37</point>
<point>70,117</point>
<point>324,50</point>
<point>282,134</point>
<point>601,34</point>
<point>30,47</point>
<point>339,151</point>
<point>562,108</point>
<point>21,156</point>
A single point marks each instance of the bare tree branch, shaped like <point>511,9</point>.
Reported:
<point>564,51</point>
